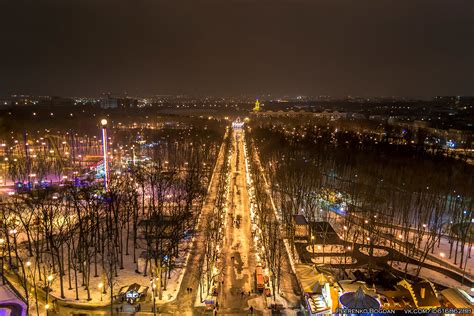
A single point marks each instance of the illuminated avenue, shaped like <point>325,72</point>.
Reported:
<point>238,157</point>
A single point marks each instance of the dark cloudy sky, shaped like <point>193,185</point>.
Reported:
<point>336,47</point>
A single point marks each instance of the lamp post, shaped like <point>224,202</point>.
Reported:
<point>100,286</point>
<point>13,233</point>
<point>33,279</point>
<point>133,155</point>
<point>2,246</point>
<point>25,274</point>
<point>103,122</point>
<point>400,243</point>
<point>153,289</point>
<point>345,242</point>
<point>49,279</point>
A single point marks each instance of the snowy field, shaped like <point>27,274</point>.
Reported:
<point>430,275</point>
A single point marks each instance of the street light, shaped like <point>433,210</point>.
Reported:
<point>345,233</point>
<point>153,289</point>
<point>2,246</point>
<point>49,278</point>
<point>12,232</point>
<point>33,279</point>
<point>101,285</point>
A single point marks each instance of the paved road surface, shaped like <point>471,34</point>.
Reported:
<point>238,252</point>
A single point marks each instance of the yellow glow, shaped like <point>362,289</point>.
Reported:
<point>257,106</point>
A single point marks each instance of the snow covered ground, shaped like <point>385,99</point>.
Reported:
<point>441,250</point>
<point>430,275</point>
<point>126,276</point>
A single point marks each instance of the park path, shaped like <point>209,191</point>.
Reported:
<point>238,251</point>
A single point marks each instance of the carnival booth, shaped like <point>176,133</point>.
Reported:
<point>132,293</point>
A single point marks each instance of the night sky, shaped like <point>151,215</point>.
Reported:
<point>232,47</point>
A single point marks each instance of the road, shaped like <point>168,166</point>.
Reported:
<point>238,251</point>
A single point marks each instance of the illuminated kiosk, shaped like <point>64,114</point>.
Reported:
<point>237,124</point>
<point>316,288</point>
<point>319,301</point>
<point>132,293</point>
<point>358,300</point>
